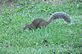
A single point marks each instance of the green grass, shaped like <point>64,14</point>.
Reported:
<point>61,38</point>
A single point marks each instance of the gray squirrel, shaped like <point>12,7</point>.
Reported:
<point>39,22</point>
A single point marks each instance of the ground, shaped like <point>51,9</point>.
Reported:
<point>57,38</point>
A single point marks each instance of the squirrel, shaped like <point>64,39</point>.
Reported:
<point>39,22</point>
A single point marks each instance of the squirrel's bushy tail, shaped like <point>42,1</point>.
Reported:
<point>59,15</point>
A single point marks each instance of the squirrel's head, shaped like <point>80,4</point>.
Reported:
<point>27,27</point>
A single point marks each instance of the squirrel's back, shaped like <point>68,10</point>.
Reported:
<point>39,22</point>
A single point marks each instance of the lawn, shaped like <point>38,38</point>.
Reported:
<point>57,38</point>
